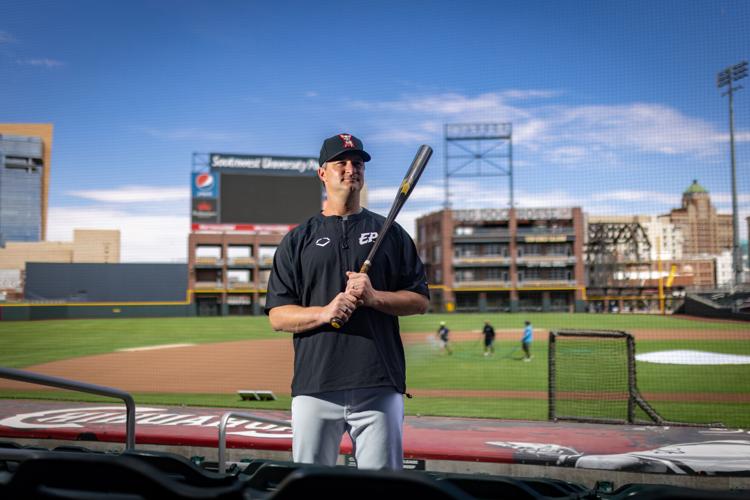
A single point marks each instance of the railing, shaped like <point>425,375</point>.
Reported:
<point>241,261</point>
<point>544,230</point>
<point>242,285</point>
<point>482,233</point>
<point>545,260</point>
<point>208,261</point>
<point>481,260</point>
<point>546,282</point>
<point>72,385</point>
<point>496,283</point>
<point>209,284</point>
<point>223,431</point>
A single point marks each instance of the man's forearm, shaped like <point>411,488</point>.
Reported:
<point>400,303</point>
<point>294,319</point>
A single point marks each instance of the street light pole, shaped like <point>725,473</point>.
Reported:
<point>727,77</point>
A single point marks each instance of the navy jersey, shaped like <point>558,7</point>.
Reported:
<point>309,269</point>
<point>489,332</point>
<point>443,333</point>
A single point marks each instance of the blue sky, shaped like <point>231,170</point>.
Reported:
<point>613,104</point>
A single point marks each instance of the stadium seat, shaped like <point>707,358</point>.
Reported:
<point>181,469</point>
<point>270,474</point>
<point>83,475</point>
<point>483,486</point>
<point>665,492</point>
<point>332,483</point>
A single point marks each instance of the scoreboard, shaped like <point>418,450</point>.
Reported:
<point>250,193</point>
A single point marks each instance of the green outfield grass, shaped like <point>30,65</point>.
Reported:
<point>33,342</point>
<point>558,321</point>
<point>23,344</point>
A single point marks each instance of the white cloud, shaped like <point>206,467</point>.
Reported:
<point>468,193</point>
<point>424,192</point>
<point>43,62</point>
<point>143,238</point>
<point>569,155</point>
<point>134,194</point>
<point>640,127</point>
<point>530,94</point>
<point>450,105</point>
<point>194,134</point>
<point>726,198</point>
<point>565,133</point>
<point>401,136</point>
<point>311,93</point>
<point>637,196</point>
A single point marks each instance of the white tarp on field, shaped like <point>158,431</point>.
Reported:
<point>686,357</point>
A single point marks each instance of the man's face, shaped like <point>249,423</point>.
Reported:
<point>344,173</point>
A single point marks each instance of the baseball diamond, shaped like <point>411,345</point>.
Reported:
<point>266,364</point>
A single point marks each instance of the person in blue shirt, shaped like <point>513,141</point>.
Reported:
<point>528,335</point>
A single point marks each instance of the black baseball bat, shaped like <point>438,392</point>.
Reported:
<point>407,186</point>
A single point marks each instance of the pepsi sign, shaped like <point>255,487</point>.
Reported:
<point>205,185</point>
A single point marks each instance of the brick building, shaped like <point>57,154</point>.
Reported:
<point>527,259</point>
<point>704,231</point>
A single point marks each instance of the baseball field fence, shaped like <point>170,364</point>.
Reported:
<point>592,378</point>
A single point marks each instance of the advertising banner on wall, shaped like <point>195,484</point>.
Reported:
<point>205,210</point>
<point>270,164</point>
<point>205,185</point>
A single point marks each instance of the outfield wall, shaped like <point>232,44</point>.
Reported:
<point>41,312</point>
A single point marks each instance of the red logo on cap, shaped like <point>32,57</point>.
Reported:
<point>347,140</point>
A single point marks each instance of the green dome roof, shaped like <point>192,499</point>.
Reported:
<point>695,188</point>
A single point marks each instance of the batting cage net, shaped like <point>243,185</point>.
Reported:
<point>592,378</point>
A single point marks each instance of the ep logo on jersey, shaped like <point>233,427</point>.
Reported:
<point>366,238</point>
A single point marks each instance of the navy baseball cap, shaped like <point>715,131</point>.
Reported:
<point>340,144</point>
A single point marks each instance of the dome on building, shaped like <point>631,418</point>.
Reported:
<point>695,188</point>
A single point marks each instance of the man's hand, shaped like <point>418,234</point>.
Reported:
<point>359,286</point>
<point>342,306</point>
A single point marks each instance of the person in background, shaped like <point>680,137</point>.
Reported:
<point>442,334</point>
<point>489,339</point>
<point>528,336</point>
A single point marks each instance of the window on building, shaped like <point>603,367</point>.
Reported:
<point>208,251</point>
<point>239,276</point>
<point>263,277</point>
<point>266,253</point>
<point>493,249</point>
<point>240,251</point>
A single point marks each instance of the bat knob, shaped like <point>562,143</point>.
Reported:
<point>337,323</point>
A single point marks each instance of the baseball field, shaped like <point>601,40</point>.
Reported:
<point>702,377</point>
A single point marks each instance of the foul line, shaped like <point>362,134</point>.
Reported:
<point>153,347</point>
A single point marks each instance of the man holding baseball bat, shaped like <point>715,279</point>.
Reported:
<point>350,377</point>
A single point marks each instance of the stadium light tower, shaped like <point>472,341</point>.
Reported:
<point>727,77</point>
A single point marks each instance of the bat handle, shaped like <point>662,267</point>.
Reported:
<point>338,322</point>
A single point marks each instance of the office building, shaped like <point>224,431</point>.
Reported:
<point>25,153</point>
